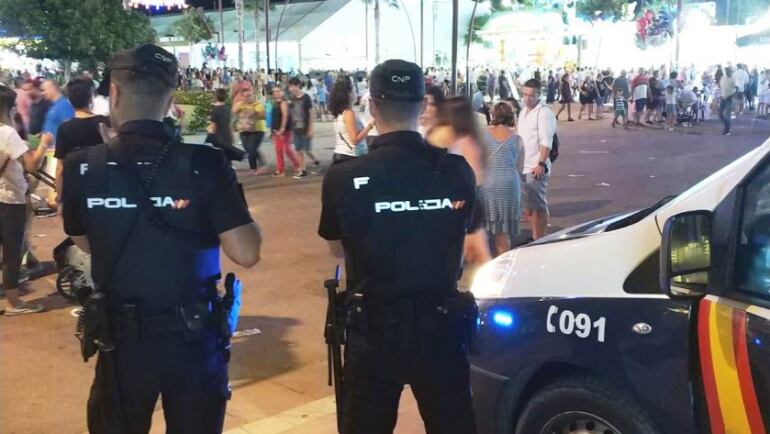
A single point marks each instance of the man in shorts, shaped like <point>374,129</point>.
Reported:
<point>537,127</point>
<point>302,115</point>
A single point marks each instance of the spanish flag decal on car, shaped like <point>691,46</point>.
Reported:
<point>729,388</point>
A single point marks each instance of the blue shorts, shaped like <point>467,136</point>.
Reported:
<point>302,142</point>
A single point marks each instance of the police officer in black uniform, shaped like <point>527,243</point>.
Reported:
<point>153,213</point>
<point>399,216</point>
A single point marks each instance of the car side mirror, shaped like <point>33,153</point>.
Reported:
<point>685,254</point>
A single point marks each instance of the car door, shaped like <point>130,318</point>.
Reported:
<point>733,326</point>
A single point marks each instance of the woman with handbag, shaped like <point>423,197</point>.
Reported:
<point>15,158</point>
<point>350,133</point>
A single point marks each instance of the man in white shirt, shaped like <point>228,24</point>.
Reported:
<point>537,127</point>
<point>741,81</point>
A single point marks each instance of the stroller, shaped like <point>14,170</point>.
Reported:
<point>689,116</point>
<point>73,266</point>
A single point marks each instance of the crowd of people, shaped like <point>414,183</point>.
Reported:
<point>506,127</point>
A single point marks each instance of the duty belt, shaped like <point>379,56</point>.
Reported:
<point>193,319</point>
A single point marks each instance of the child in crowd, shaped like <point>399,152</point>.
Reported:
<point>620,108</point>
<point>670,107</point>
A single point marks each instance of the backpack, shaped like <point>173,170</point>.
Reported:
<point>554,154</point>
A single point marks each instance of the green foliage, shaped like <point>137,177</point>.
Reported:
<point>606,9</point>
<point>478,23</point>
<point>198,120</point>
<point>74,30</point>
<point>195,26</point>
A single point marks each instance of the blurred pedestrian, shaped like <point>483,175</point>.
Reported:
<point>83,130</point>
<point>727,91</point>
<point>587,97</point>
<point>281,133</point>
<point>350,132</point>
<point>302,123</point>
<point>456,130</point>
<point>565,92</point>
<point>537,127</point>
<point>434,97</point>
<point>501,191</point>
<point>250,124</point>
<point>15,158</point>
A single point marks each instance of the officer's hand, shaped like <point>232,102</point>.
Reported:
<point>538,172</point>
<point>309,134</point>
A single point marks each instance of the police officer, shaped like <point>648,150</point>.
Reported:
<point>399,216</point>
<point>153,213</point>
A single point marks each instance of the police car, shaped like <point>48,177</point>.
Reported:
<point>656,321</point>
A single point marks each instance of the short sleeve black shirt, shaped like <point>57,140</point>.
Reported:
<point>402,212</point>
<point>78,133</point>
<point>220,116</point>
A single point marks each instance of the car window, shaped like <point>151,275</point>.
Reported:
<point>644,278</point>
<point>753,253</point>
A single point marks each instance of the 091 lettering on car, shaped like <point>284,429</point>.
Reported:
<point>578,324</point>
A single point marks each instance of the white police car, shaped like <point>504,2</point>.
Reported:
<point>585,332</point>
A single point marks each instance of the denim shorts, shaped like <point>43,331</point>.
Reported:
<point>302,142</point>
<point>533,193</point>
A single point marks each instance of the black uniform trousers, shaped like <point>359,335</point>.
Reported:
<point>438,373</point>
<point>191,377</point>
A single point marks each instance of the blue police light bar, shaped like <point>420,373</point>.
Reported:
<point>502,318</point>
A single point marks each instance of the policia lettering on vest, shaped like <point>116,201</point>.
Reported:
<point>154,212</point>
<point>399,216</point>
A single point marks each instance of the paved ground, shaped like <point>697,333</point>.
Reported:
<point>279,375</point>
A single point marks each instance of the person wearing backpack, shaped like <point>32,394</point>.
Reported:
<point>537,129</point>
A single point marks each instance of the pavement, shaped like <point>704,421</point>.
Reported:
<point>279,374</point>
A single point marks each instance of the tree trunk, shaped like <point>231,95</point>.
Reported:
<point>377,32</point>
<point>471,33</point>
<point>67,69</point>
<point>366,33</point>
<point>278,32</point>
<point>239,16</point>
<point>256,35</point>
<point>411,29</point>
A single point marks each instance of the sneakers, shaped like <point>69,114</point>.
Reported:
<point>23,308</point>
<point>276,174</point>
<point>301,174</point>
<point>727,134</point>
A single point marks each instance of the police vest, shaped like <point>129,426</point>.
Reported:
<point>171,256</point>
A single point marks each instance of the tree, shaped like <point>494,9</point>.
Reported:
<point>194,26</point>
<point>390,3</point>
<point>255,7</point>
<point>601,9</point>
<point>84,31</point>
<point>239,16</point>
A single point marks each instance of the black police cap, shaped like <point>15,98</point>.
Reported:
<point>149,60</point>
<point>397,80</point>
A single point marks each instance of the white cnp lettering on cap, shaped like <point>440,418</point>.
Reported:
<point>358,182</point>
<point>162,57</point>
<point>422,205</point>
<point>400,78</point>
